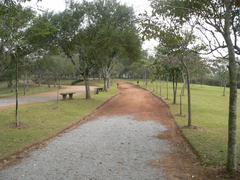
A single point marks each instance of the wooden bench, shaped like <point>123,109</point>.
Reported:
<point>99,90</point>
<point>70,94</point>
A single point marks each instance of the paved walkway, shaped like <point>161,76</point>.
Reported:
<point>132,137</point>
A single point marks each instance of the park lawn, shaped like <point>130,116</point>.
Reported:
<point>210,116</point>
<point>6,92</point>
<point>44,120</point>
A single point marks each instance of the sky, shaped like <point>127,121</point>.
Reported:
<point>138,5</point>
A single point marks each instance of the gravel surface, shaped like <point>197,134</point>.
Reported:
<point>108,148</point>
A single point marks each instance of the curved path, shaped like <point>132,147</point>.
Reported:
<point>132,137</point>
<point>42,97</point>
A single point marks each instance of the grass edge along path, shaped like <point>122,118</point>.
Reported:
<point>43,121</point>
<point>210,114</point>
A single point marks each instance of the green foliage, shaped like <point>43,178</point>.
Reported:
<point>41,33</point>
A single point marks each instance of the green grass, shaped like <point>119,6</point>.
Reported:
<point>210,115</point>
<point>44,120</point>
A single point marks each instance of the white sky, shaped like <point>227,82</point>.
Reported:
<point>138,5</point>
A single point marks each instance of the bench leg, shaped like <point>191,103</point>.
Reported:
<point>64,97</point>
<point>70,96</point>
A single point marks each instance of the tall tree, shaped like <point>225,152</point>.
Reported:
<point>14,21</point>
<point>117,35</point>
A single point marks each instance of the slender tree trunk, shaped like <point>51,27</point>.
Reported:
<point>189,99</point>
<point>181,94</point>
<point>174,88</point>
<point>181,105</point>
<point>87,87</point>
<point>167,88</point>
<point>25,84</point>
<point>160,87</point>
<point>224,89</point>
<point>27,88</point>
<point>184,85</point>
<point>108,83</point>
<point>58,89</point>
<point>17,80</point>
<point>188,92</point>
<point>10,85</point>
<point>105,86</point>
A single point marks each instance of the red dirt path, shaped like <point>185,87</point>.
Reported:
<point>137,102</point>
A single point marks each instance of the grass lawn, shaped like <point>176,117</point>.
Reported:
<point>210,115</point>
<point>44,120</point>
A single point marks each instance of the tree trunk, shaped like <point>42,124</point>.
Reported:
<point>25,84</point>
<point>58,89</point>
<point>108,83</point>
<point>181,94</point>
<point>184,85</point>
<point>27,87</point>
<point>167,87</point>
<point>232,119</point>
<point>224,89</point>
<point>189,99</point>
<point>10,85</point>
<point>188,92</point>
<point>87,87</point>
<point>181,104</point>
<point>105,86</point>
<point>17,80</point>
<point>174,88</point>
<point>160,87</point>
<point>156,84</point>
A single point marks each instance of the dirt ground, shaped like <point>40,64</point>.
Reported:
<point>137,102</point>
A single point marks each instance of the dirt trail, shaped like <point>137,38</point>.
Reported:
<point>181,163</point>
<point>130,137</point>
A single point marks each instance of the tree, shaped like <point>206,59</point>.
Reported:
<point>171,66</point>
<point>14,20</point>
<point>117,35</point>
<point>177,42</point>
<point>98,34</point>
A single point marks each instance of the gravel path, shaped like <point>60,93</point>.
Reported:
<point>110,148</point>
